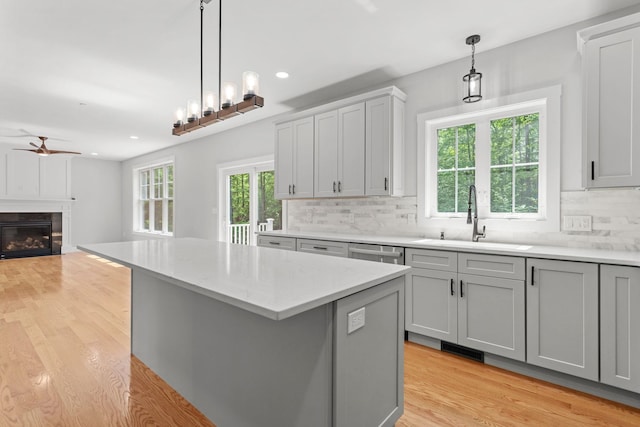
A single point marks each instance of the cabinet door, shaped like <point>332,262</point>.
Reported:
<point>431,304</point>
<point>302,185</point>
<point>55,177</point>
<point>491,315</point>
<point>378,147</point>
<point>23,171</point>
<point>283,160</point>
<point>620,327</point>
<point>612,109</point>
<point>326,154</point>
<point>351,136</point>
<point>562,316</point>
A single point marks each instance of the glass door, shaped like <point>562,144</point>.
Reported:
<point>249,203</point>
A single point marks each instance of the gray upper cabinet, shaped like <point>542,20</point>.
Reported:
<point>620,327</point>
<point>385,146</point>
<point>353,147</point>
<point>294,159</point>
<point>339,152</point>
<point>562,316</point>
<point>611,117</point>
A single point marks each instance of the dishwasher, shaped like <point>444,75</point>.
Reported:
<point>377,253</point>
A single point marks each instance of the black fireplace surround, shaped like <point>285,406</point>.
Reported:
<point>30,234</point>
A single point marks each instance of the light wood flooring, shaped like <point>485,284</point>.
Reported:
<point>65,361</point>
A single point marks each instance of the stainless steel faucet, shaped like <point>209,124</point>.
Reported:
<point>476,236</point>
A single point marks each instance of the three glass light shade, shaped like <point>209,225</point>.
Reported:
<point>229,98</point>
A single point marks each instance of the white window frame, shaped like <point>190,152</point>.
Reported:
<point>252,167</point>
<point>547,102</point>
<point>137,202</point>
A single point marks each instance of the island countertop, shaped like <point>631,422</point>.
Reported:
<point>270,282</point>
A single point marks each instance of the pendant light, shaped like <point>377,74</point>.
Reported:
<point>473,80</point>
<point>203,113</point>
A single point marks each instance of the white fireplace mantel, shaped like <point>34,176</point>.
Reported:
<point>44,205</point>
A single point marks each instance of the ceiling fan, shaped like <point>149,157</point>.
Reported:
<point>42,150</point>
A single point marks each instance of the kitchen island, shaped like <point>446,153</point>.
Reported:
<point>258,336</point>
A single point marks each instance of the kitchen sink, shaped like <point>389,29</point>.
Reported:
<point>465,244</point>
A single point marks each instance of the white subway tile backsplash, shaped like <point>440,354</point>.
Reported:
<point>615,219</point>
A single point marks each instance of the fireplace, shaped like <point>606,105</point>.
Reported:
<point>30,234</point>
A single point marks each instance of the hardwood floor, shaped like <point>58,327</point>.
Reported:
<point>65,361</point>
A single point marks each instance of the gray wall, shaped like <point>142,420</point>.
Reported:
<point>196,176</point>
<point>542,61</point>
<point>96,212</point>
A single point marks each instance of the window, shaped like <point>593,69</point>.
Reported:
<point>247,201</point>
<point>154,208</point>
<point>509,150</point>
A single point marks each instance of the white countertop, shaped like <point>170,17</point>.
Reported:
<point>510,249</point>
<point>271,282</point>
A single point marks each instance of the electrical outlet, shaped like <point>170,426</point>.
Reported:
<point>576,223</point>
<point>355,320</point>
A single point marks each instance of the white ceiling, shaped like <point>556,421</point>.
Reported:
<point>89,74</point>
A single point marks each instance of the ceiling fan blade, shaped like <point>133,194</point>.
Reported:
<point>26,149</point>
<point>31,143</point>
<point>62,152</point>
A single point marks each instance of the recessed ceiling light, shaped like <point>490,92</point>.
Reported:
<point>282,75</point>
<point>133,137</point>
<point>94,154</point>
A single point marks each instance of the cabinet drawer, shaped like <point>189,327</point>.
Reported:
<point>491,265</point>
<point>286,243</point>
<point>323,247</point>
<point>435,260</point>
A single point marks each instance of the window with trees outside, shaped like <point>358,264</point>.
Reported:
<point>155,199</point>
<point>505,152</point>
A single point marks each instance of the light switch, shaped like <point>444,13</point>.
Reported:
<point>355,320</point>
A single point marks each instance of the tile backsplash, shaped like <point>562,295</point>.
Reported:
<point>615,216</point>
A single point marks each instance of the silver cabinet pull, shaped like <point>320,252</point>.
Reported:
<point>461,289</point>
<point>289,188</point>
<point>334,186</point>
<point>339,187</point>
<point>386,183</point>
<point>452,291</point>
<point>322,248</point>
<point>532,270</point>
<point>274,243</point>
<point>293,188</point>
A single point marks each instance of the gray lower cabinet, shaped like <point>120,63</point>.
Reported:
<point>286,243</point>
<point>323,247</point>
<point>562,316</point>
<point>474,310</point>
<point>620,327</point>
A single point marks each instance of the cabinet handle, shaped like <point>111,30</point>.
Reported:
<point>532,271</point>
<point>452,292</point>
<point>461,289</point>
<point>322,248</point>
<point>334,186</point>
<point>275,243</point>
<point>386,183</point>
<point>339,187</point>
<point>289,188</point>
<point>593,170</point>
<point>293,188</point>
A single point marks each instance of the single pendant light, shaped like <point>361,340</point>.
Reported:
<point>473,80</point>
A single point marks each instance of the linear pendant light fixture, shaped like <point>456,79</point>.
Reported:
<point>199,117</point>
<point>473,80</point>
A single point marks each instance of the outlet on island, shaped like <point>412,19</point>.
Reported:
<point>356,320</point>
